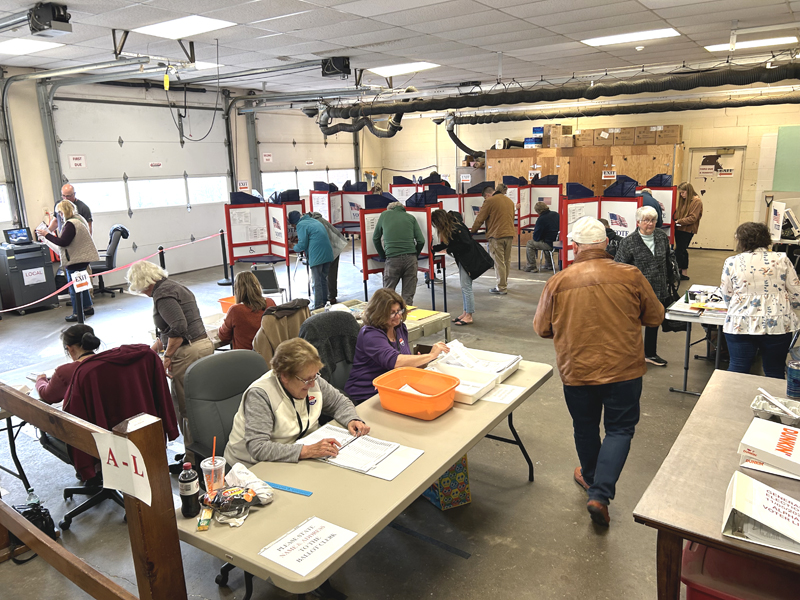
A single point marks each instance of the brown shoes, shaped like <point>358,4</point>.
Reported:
<point>599,512</point>
<point>578,476</point>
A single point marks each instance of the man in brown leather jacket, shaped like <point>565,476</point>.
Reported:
<point>594,311</point>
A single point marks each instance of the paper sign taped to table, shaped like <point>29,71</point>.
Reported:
<point>757,513</point>
<point>308,545</point>
<point>503,393</point>
<point>123,465</point>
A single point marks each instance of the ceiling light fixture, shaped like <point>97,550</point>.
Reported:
<point>639,36</point>
<point>639,48</point>
<point>780,41</point>
<point>403,69</point>
<point>178,29</point>
<point>19,46</point>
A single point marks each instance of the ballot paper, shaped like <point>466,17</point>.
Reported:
<point>503,393</point>
<point>460,356</point>
<point>308,545</point>
<point>360,454</point>
<point>408,389</point>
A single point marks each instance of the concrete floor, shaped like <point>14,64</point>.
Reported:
<point>524,540</point>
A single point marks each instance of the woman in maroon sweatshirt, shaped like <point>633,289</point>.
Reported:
<point>79,343</point>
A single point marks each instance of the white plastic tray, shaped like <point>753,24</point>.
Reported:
<point>486,381</point>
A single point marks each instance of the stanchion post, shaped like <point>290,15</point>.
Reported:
<point>78,303</point>
<point>225,279</point>
<point>161,257</point>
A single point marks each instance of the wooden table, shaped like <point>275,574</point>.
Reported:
<point>355,501</point>
<point>686,499</point>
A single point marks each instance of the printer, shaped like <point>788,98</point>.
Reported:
<point>26,271</point>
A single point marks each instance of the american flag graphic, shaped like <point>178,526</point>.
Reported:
<point>476,210</point>
<point>276,224</point>
<point>617,220</point>
<point>354,207</point>
<point>776,217</point>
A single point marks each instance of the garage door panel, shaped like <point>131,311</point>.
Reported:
<point>285,157</point>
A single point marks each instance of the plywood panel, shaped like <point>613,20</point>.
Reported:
<point>585,165</point>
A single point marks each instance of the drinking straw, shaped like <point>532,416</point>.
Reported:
<point>214,453</point>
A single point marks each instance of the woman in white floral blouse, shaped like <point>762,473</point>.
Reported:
<point>761,289</point>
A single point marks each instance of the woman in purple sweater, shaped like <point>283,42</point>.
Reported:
<point>383,345</point>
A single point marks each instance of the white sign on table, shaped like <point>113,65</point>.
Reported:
<point>123,465</point>
<point>308,545</point>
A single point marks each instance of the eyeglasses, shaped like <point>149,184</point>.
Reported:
<point>649,221</point>
<point>67,195</point>
<point>308,381</point>
<point>397,313</point>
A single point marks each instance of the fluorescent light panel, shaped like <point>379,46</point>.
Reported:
<point>184,27</point>
<point>624,38</point>
<point>19,46</point>
<point>780,41</point>
<point>403,69</point>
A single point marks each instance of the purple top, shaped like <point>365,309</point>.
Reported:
<point>375,355</point>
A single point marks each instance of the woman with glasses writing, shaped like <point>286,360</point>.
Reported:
<point>383,345</point>
<point>285,405</point>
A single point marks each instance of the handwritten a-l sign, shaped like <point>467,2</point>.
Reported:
<point>123,465</point>
<point>80,279</point>
<point>609,174</point>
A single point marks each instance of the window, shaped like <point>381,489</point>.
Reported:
<point>306,179</point>
<point>277,182</point>
<point>155,193</point>
<point>5,205</point>
<point>207,190</point>
<point>339,176</point>
<point>102,196</point>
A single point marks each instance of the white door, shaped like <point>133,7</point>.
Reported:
<point>718,180</point>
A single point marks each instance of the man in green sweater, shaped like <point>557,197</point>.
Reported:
<point>398,239</point>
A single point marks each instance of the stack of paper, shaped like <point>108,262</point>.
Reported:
<point>771,447</point>
<point>461,357</point>
<point>356,453</point>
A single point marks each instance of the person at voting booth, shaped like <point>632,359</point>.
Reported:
<point>648,200</point>
<point>647,249</point>
<point>399,240</point>
<point>498,214</point>
<point>545,233</point>
<point>285,405</point>
<point>183,338</point>
<point>338,244</point>
<point>762,291</point>
<point>244,318</point>
<point>312,238</point>
<point>383,345</point>
<point>472,260</point>
<point>77,251</point>
<point>594,311</point>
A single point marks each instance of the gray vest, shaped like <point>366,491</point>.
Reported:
<point>82,248</point>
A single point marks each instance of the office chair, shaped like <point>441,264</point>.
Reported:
<point>107,389</point>
<point>213,387</point>
<point>334,335</point>
<point>269,281</point>
<point>108,259</point>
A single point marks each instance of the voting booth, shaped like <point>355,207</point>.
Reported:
<point>260,233</point>
<point>620,214</point>
<point>667,197</point>
<point>320,202</point>
<point>404,191</point>
<point>528,197</point>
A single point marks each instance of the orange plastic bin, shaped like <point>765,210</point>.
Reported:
<point>226,303</point>
<point>437,392</point>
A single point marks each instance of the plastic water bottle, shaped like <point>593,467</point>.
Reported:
<point>32,499</point>
<point>327,306</point>
<point>189,489</point>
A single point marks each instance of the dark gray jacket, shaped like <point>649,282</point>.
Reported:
<point>633,251</point>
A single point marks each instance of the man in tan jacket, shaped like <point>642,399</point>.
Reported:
<point>594,311</point>
<point>498,214</point>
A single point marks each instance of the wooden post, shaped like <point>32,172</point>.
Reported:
<point>153,529</point>
<point>669,550</point>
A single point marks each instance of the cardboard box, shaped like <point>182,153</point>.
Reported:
<point>550,141</point>
<point>551,131</point>
<point>624,136</point>
<point>566,130</point>
<point>566,141</point>
<point>452,488</point>
<point>584,137</point>
<point>603,137</point>
<point>645,136</point>
<point>669,134</point>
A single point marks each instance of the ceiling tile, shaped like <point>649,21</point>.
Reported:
<point>548,48</point>
<point>747,17</point>
<point>344,28</point>
<point>72,52</point>
<point>229,34</point>
<point>501,29</point>
<point>616,9</point>
<point>312,18</point>
<point>259,10</point>
<point>657,4</point>
<point>643,21</point>
<point>461,21</point>
<point>197,7</point>
<point>266,42</point>
<point>549,7</point>
<point>513,36</point>
<point>718,7</point>
<point>374,37</point>
<point>94,7</point>
<point>371,8</point>
<point>446,12</point>
<point>138,15</point>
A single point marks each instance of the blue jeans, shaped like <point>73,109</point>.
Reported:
<point>86,298</point>
<point>319,275</point>
<point>466,290</point>
<point>618,404</point>
<point>774,348</point>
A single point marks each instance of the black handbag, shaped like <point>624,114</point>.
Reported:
<point>673,281</point>
<point>40,517</point>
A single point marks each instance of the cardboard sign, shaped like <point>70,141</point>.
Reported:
<point>609,174</point>
<point>77,161</point>
<point>243,185</point>
<point>33,276</point>
<point>123,465</point>
<point>80,280</point>
<point>266,157</point>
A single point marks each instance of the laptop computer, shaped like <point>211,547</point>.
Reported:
<point>18,236</point>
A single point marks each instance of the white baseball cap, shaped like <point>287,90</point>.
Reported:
<point>588,230</point>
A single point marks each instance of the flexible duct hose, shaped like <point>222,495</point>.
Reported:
<point>451,131</point>
<point>681,82</point>
<point>392,126</point>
